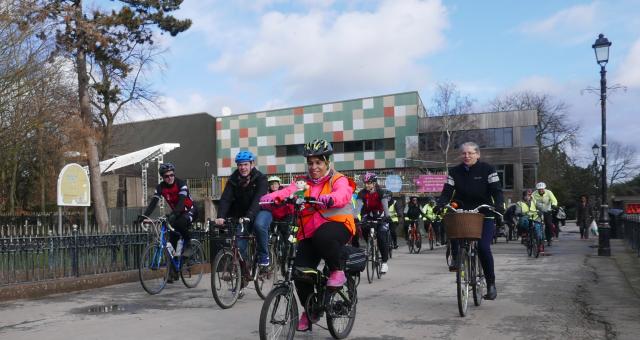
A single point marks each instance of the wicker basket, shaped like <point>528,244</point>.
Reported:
<point>464,225</point>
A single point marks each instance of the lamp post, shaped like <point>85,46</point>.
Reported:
<point>596,151</point>
<point>206,176</point>
<point>601,48</point>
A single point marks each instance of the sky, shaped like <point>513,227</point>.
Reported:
<point>248,56</point>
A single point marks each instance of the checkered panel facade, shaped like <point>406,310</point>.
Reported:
<point>391,116</point>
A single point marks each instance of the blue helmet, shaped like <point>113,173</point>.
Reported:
<point>245,156</point>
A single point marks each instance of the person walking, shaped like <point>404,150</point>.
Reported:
<point>584,216</point>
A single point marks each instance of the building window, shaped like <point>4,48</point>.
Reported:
<point>387,144</point>
<point>528,136</point>
<point>529,175</point>
<point>485,138</point>
<point>505,172</point>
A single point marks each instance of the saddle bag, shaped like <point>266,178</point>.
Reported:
<point>354,259</point>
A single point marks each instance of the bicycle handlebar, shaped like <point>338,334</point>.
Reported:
<point>476,210</point>
<point>148,220</point>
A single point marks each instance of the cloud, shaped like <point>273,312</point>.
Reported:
<point>323,51</point>
<point>574,25</point>
<point>629,70</point>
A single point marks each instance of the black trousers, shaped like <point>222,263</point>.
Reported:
<point>548,225</point>
<point>182,225</point>
<point>326,243</point>
<point>394,235</point>
<point>382,236</point>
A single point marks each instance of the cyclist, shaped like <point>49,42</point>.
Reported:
<point>545,202</point>
<point>176,193</point>
<point>326,228</point>
<point>475,183</point>
<point>375,203</point>
<point>240,199</point>
<point>429,216</point>
<point>412,212</point>
<point>526,212</point>
<point>278,212</point>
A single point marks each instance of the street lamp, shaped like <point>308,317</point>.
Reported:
<point>596,151</point>
<point>601,48</point>
<point>206,176</point>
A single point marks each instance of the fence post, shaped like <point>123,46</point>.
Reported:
<point>74,253</point>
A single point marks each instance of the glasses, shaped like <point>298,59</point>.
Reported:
<point>168,176</point>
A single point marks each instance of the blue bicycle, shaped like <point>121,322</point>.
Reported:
<point>159,262</point>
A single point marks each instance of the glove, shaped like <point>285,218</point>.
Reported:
<point>139,219</point>
<point>326,200</point>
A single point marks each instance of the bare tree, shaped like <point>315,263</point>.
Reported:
<point>622,162</point>
<point>554,128</point>
<point>450,109</point>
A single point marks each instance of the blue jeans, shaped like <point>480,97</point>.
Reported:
<point>260,228</point>
<point>484,249</point>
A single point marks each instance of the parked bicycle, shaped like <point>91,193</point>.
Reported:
<point>466,227</point>
<point>414,238</point>
<point>159,261</point>
<point>279,313</point>
<point>231,271</point>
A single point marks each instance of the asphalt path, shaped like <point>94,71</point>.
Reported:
<point>552,297</point>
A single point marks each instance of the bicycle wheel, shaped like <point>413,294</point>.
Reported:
<point>536,247</point>
<point>410,240</point>
<point>154,268</point>
<point>530,242</point>
<point>266,277</point>
<point>432,239</point>
<point>479,287</point>
<point>418,241</point>
<point>225,279</point>
<point>462,280</point>
<point>371,258</point>
<point>193,266</point>
<point>341,311</point>
<point>279,315</point>
<point>378,262</point>
<point>447,255</point>
<point>390,243</point>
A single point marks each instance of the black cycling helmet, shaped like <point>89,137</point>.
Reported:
<point>318,148</point>
<point>165,167</point>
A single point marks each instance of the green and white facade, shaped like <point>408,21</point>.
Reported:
<point>367,133</point>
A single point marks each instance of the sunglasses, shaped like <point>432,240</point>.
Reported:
<point>169,176</point>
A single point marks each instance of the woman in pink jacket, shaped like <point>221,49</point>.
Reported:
<point>326,228</point>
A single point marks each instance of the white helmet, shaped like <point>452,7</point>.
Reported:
<point>541,185</point>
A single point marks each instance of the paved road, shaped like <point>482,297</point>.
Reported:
<point>569,294</point>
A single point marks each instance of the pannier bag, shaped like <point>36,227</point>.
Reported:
<point>355,259</point>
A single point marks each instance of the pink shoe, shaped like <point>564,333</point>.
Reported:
<point>336,279</point>
<point>303,323</point>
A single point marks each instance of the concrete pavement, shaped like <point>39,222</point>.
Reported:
<point>569,294</point>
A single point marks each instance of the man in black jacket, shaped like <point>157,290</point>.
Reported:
<point>475,183</point>
<point>240,199</point>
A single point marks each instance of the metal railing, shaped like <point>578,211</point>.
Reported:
<point>26,255</point>
<point>631,226</point>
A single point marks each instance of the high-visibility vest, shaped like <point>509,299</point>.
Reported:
<point>527,209</point>
<point>342,215</point>
<point>427,213</point>
<point>354,205</point>
<point>393,214</point>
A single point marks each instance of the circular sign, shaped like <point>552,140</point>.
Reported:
<point>393,183</point>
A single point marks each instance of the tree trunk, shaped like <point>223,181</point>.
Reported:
<point>43,164</point>
<point>99,206</point>
<point>12,184</point>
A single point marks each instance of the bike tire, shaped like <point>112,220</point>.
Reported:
<point>193,266</point>
<point>530,245</point>
<point>462,281</point>
<point>266,278</point>
<point>410,241</point>
<point>536,247</point>
<point>154,268</point>
<point>432,238</point>
<point>378,263</point>
<point>447,255</point>
<point>371,256</point>
<point>341,311</point>
<point>390,244</point>
<point>273,326</point>
<point>226,277</point>
<point>418,241</point>
<point>479,283</point>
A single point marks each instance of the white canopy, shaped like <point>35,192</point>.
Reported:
<point>140,156</point>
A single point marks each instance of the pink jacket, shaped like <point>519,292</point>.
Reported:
<point>341,194</point>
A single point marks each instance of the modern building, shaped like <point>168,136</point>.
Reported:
<point>507,140</point>
<point>367,133</point>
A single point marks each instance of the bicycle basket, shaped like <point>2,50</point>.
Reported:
<point>464,225</point>
<point>354,259</point>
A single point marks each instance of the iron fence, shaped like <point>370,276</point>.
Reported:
<point>28,255</point>
<point>631,226</point>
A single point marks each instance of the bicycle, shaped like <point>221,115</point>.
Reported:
<point>159,261</point>
<point>534,238</point>
<point>431,235</point>
<point>374,258</point>
<point>466,226</point>
<point>231,272</point>
<point>414,239</point>
<point>277,241</point>
<point>279,312</point>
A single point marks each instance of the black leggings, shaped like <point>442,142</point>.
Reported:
<point>326,243</point>
<point>181,225</point>
<point>383,239</point>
